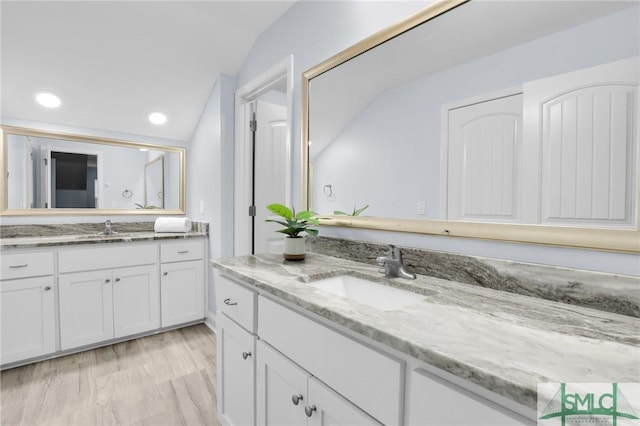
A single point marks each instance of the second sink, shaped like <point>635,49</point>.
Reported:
<point>367,292</point>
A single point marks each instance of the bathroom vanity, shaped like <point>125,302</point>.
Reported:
<point>66,293</point>
<point>293,352</point>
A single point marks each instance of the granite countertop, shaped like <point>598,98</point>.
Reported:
<point>67,240</point>
<point>504,342</point>
<point>29,236</point>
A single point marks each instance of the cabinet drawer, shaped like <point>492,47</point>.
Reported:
<point>21,265</point>
<point>434,401</point>
<point>88,259</point>
<point>370,379</point>
<point>237,301</point>
<point>176,252</point>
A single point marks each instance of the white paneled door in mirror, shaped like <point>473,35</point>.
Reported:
<point>483,160</point>
<point>582,134</point>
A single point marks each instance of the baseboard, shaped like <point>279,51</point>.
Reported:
<point>210,321</point>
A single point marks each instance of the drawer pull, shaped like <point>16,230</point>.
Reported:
<point>296,399</point>
<point>309,410</point>
<point>229,302</point>
<point>18,266</point>
<point>183,251</point>
<point>47,288</point>
<point>246,355</point>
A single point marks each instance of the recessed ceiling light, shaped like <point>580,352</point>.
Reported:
<point>48,100</point>
<point>157,118</point>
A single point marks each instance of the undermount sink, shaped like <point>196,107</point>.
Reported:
<point>367,292</point>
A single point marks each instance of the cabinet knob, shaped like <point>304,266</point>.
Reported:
<point>47,288</point>
<point>309,410</point>
<point>165,273</point>
<point>229,302</point>
<point>246,355</point>
<point>117,279</point>
<point>107,281</point>
<point>296,398</point>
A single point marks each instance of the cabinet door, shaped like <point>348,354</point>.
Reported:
<point>281,393</point>
<point>434,401</point>
<point>325,407</point>
<point>236,373</point>
<point>86,308</point>
<point>136,300</point>
<point>182,292</point>
<point>27,318</point>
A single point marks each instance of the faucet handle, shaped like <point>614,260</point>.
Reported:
<point>396,253</point>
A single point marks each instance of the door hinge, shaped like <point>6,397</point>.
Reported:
<point>252,210</point>
<point>45,161</point>
<point>253,125</point>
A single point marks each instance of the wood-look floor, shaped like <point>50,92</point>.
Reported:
<point>164,379</point>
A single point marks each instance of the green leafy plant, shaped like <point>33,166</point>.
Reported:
<point>294,223</point>
<point>356,212</point>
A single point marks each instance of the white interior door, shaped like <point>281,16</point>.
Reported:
<point>270,173</point>
<point>484,160</point>
<point>582,145</point>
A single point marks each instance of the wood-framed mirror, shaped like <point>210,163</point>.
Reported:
<point>502,120</point>
<point>47,173</point>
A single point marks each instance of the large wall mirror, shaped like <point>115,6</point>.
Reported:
<point>46,173</point>
<point>506,120</point>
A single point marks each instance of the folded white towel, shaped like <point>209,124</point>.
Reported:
<point>172,224</point>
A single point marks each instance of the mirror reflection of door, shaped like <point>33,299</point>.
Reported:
<point>484,145</point>
<point>73,180</point>
<point>154,183</point>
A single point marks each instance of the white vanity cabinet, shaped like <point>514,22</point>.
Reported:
<point>182,282</point>
<point>236,351</point>
<point>369,378</point>
<point>120,299</point>
<point>286,394</point>
<point>236,373</point>
<point>310,372</point>
<point>27,306</point>
<point>337,380</point>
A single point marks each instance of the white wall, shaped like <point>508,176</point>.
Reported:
<point>313,31</point>
<point>210,173</point>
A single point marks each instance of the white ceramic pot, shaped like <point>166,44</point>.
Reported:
<point>294,248</point>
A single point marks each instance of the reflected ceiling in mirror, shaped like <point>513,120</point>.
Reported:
<point>503,112</point>
<point>51,173</point>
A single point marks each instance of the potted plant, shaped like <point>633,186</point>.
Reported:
<point>294,223</point>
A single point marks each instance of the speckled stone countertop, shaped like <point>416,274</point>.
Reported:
<point>29,236</point>
<point>68,240</point>
<point>504,342</point>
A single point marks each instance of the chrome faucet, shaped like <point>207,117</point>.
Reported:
<point>392,265</point>
<point>107,228</point>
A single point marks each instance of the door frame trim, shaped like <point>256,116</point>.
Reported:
<point>242,175</point>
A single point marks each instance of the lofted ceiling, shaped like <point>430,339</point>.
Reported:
<point>113,63</point>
